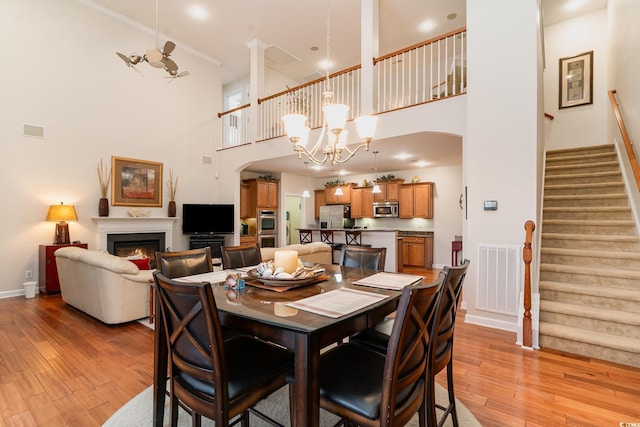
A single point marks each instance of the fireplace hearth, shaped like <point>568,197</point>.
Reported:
<point>136,244</point>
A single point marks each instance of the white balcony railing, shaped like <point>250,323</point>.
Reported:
<point>424,72</point>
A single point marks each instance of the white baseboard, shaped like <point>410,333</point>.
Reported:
<point>491,323</point>
<point>13,293</point>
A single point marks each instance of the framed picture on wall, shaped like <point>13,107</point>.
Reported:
<point>136,182</point>
<point>576,80</point>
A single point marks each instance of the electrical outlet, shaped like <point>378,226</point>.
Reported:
<point>28,274</point>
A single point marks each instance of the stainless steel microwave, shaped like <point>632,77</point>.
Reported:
<point>385,209</point>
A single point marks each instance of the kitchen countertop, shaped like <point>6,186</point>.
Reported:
<point>401,233</point>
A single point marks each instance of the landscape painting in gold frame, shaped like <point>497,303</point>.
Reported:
<point>136,182</point>
<point>576,80</point>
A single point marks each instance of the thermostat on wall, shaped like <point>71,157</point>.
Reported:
<point>490,205</point>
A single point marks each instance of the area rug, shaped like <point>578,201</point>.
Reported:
<point>138,412</point>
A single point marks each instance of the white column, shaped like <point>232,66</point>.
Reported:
<point>369,47</point>
<point>256,80</point>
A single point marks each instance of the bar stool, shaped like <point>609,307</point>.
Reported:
<point>326,236</point>
<point>306,235</point>
<point>456,246</point>
<point>353,237</point>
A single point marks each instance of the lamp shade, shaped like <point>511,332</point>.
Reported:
<point>295,126</point>
<point>366,126</point>
<point>336,115</point>
<point>62,212</point>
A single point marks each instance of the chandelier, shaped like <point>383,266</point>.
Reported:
<point>335,149</point>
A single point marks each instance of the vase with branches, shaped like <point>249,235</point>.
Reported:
<point>172,184</point>
<point>104,179</point>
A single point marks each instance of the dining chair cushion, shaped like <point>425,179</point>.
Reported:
<point>245,371</point>
<point>351,376</point>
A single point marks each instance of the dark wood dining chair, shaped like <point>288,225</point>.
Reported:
<point>377,338</point>
<point>241,256</point>
<point>184,263</point>
<point>306,235</point>
<point>368,388</point>
<point>363,257</point>
<point>209,376</point>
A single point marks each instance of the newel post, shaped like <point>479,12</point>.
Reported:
<point>527,333</point>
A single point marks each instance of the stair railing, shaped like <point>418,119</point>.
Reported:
<point>625,137</point>
<point>527,331</point>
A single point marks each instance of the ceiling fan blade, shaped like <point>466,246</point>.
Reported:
<point>183,74</point>
<point>124,57</point>
<point>157,64</point>
<point>153,55</point>
<point>170,66</point>
<point>168,48</point>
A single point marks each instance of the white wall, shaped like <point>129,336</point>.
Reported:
<point>582,125</point>
<point>501,147</point>
<point>625,62</point>
<point>61,72</point>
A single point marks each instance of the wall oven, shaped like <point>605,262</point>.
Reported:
<point>267,222</point>
<point>268,240</point>
<point>385,209</point>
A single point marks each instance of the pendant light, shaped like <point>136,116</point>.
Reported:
<point>376,188</point>
<point>305,193</point>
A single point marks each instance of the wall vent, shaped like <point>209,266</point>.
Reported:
<point>498,278</point>
<point>32,130</point>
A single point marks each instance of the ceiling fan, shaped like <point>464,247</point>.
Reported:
<point>158,58</point>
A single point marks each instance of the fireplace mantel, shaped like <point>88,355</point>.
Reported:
<point>124,225</point>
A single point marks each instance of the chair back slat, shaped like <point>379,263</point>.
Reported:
<point>241,256</point>
<point>184,263</point>
<point>363,257</point>
<point>410,351</point>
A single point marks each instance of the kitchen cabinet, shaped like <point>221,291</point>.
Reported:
<point>333,199</point>
<point>416,200</point>
<point>319,199</point>
<point>262,194</point>
<point>389,190</point>
<point>417,251</point>
<point>248,239</point>
<point>245,211</point>
<point>361,202</point>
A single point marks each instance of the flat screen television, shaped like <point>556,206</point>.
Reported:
<point>207,219</point>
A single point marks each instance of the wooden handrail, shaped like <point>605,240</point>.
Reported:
<point>419,45</point>
<point>625,137</point>
<point>527,333</point>
<point>242,107</point>
<point>293,89</point>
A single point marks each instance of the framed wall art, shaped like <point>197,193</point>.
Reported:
<point>576,80</point>
<point>136,182</point>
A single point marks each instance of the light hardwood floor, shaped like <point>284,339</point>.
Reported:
<point>59,367</point>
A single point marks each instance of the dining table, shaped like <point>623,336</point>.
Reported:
<point>304,317</point>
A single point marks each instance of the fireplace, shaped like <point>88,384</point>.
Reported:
<point>136,244</point>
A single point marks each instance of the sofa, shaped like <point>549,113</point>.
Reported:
<point>315,252</point>
<point>109,288</point>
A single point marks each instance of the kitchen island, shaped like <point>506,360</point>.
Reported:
<point>386,238</point>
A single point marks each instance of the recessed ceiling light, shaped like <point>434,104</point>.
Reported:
<point>343,172</point>
<point>198,12</point>
<point>326,64</point>
<point>452,16</point>
<point>426,26</point>
<point>422,163</point>
<point>574,4</point>
<point>402,156</point>
<point>317,167</point>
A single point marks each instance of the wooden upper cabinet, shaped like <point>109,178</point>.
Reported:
<point>389,191</point>
<point>245,204</point>
<point>332,199</point>
<point>361,202</point>
<point>319,198</point>
<point>262,194</point>
<point>416,200</point>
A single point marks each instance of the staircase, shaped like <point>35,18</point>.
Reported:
<point>590,258</point>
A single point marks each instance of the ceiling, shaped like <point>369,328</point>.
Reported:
<point>296,36</point>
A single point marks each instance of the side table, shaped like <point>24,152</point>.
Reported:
<point>48,281</point>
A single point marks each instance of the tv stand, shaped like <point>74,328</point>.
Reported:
<point>214,241</point>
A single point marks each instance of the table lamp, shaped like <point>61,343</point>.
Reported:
<point>61,213</point>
